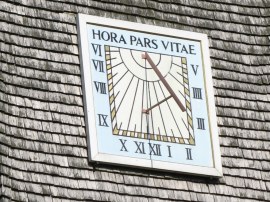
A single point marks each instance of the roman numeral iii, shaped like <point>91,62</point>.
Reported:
<point>200,123</point>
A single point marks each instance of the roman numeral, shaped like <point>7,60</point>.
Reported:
<point>201,123</point>
<point>189,157</point>
<point>195,69</point>
<point>140,147</point>
<point>100,87</point>
<point>102,120</point>
<point>98,65</point>
<point>155,149</point>
<point>97,49</point>
<point>169,151</point>
<point>123,142</point>
<point>197,93</point>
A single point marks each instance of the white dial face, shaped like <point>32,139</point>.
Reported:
<point>134,86</point>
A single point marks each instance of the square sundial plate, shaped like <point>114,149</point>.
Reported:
<point>133,115</point>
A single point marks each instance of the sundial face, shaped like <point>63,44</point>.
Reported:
<point>135,86</point>
<point>148,97</point>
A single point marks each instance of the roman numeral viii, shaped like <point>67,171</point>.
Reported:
<point>197,93</point>
<point>100,87</point>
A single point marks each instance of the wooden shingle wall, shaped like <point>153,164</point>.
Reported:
<point>43,151</point>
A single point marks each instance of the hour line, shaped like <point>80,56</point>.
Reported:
<point>179,73</point>
<point>159,109</point>
<point>171,111</point>
<point>176,79</point>
<point>120,78</point>
<point>133,104</point>
<point>142,105</point>
<point>177,65</point>
<point>182,94</point>
<point>150,104</point>
<point>117,64</point>
<point>124,94</point>
<point>185,124</point>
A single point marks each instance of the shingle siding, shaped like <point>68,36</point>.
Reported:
<point>43,149</point>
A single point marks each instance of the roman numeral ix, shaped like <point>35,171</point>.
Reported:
<point>102,120</point>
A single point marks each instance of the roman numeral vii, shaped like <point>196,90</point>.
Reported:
<point>98,65</point>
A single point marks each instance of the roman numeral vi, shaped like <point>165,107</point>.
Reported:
<point>97,49</point>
